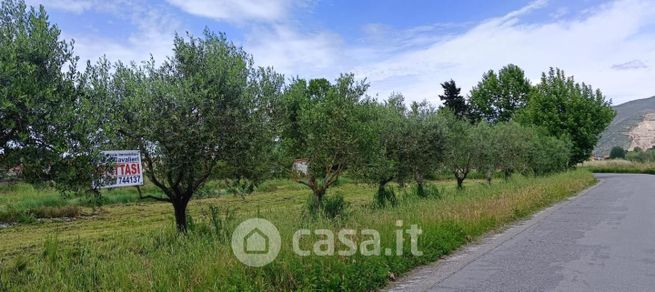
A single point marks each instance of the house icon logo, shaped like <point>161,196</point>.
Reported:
<point>256,242</point>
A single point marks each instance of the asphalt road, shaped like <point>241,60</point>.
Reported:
<point>601,240</point>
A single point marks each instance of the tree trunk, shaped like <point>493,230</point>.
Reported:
<point>381,187</point>
<point>461,176</point>
<point>180,215</point>
<point>380,196</point>
<point>420,190</point>
<point>460,182</point>
<point>508,173</point>
<point>319,193</point>
<point>488,175</point>
<point>419,185</point>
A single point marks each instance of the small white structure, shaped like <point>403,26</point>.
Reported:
<point>301,166</point>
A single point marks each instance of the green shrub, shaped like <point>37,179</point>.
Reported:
<point>426,191</point>
<point>617,153</point>
<point>638,155</point>
<point>384,196</point>
<point>549,154</point>
<point>330,207</point>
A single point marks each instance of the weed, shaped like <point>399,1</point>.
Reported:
<point>20,264</point>
<point>51,249</point>
<point>384,196</point>
<point>415,192</point>
<point>330,207</point>
<point>56,212</point>
<point>427,191</point>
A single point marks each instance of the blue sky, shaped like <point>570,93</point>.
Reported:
<point>399,46</point>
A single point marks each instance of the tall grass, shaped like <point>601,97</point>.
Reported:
<point>619,166</point>
<point>161,259</point>
<point>23,203</point>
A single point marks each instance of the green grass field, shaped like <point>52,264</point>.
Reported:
<point>130,245</point>
<point>23,203</point>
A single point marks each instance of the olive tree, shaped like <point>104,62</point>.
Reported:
<point>514,148</point>
<point>486,149</point>
<point>327,127</point>
<point>384,161</point>
<point>425,143</point>
<point>203,111</point>
<point>460,146</point>
<point>47,126</point>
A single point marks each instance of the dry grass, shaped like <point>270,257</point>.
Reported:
<point>619,166</point>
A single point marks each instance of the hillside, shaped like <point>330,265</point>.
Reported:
<point>633,126</point>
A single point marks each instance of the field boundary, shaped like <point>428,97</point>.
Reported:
<point>425,277</point>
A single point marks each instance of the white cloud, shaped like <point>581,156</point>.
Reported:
<point>586,48</point>
<point>152,34</point>
<point>631,65</point>
<point>75,6</point>
<point>138,47</point>
<point>295,53</point>
<point>589,44</point>
<point>236,10</point>
<point>585,45</point>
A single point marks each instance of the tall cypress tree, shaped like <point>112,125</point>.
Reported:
<point>452,99</point>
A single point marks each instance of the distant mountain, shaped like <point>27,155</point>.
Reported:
<point>633,126</point>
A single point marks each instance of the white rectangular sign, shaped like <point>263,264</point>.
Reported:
<point>127,169</point>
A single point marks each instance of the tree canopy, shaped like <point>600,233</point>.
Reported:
<point>460,148</point>
<point>497,97</point>
<point>568,109</point>
<point>617,152</point>
<point>388,121</point>
<point>453,100</point>
<point>46,125</point>
<point>327,128</point>
<point>203,111</point>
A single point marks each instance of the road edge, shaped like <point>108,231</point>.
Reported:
<point>428,276</point>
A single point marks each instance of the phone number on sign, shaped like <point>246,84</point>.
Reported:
<point>128,179</point>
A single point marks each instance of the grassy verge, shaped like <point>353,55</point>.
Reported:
<point>135,248</point>
<point>619,166</point>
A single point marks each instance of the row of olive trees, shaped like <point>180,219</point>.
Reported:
<point>414,144</point>
<point>334,128</point>
<point>207,112</point>
<point>504,147</point>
